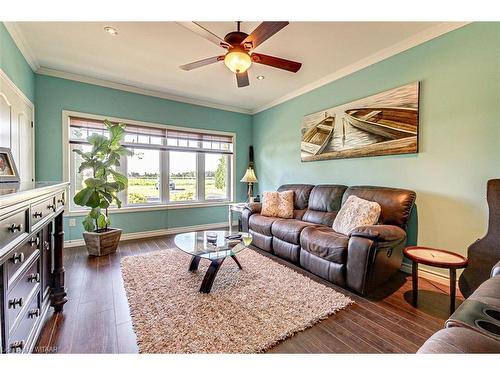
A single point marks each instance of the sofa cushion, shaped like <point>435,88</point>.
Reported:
<point>325,243</point>
<point>277,204</point>
<point>262,241</point>
<point>396,204</point>
<point>324,203</point>
<point>301,194</point>
<point>331,271</point>
<point>354,213</point>
<point>488,292</point>
<point>289,230</point>
<point>261,224</point>
<point>286,250</point>
<point>459,340</point>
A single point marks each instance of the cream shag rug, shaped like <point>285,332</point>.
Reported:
<point>247,311</point>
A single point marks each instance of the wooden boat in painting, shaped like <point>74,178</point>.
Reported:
<point>317,137</point>
<point>391,123</point>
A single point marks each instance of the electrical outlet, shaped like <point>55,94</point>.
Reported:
<point>72,222</point>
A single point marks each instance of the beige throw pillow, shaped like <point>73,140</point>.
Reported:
<point>354,213</point>
<point>277,204</point>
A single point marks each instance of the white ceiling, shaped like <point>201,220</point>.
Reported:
<point>147,55</point>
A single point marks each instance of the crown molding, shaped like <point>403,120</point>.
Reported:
<point>137,90</point>
<point>22,45</point>
<point>29,56</point>
<point>422,37</point>
<point>17,90</point>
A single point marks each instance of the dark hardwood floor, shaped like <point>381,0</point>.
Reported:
<point>96,318</point>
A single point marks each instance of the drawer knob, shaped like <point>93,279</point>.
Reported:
<point>34,313</point>
<point>15,302</point>
<point>15,228</point>
<point>17,346</point>
<point>46,245</point>
<point>34,278</point>
<point>38,214</point>
<point>34,241</point>
<point>51,207</point>
<point>61,201</point>
<point>17,258</point>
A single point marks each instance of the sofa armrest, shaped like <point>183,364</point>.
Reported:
<point>374,254</point>
<point>380,233</point>
<point>254,207</point>
<point>495,271</point>
<point>249,210</point>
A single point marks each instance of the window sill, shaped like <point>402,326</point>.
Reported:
<point>159,207</point>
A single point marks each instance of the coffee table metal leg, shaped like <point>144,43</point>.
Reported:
<point>414,279</point>
<point>237,262</point>
<point>195,261</point>
<point>209,278</point>
<point>453,288</point>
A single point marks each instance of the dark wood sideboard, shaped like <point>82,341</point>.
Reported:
<point>31,261</point>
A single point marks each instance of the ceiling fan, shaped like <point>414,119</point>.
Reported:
<point>240,46</point>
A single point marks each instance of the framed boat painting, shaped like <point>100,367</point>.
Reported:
<point>381,124</point>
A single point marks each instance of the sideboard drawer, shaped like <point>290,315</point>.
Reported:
<point>20,257</point>
<point>19,340</point>
<point>13,227</point>
<point>60,199</point>
<point>41,210</point>
<point>21,291</point>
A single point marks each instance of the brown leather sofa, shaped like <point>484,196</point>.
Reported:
<point>360,261</point>
<point>475,326</point>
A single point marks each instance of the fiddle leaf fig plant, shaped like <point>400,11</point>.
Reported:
<point>102,189</point>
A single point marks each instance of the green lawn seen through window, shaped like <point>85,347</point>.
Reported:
<point>142,190</point>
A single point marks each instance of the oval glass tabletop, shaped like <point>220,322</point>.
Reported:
<point>213,244</point>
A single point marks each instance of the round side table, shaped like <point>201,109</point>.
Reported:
<point>435,258</point>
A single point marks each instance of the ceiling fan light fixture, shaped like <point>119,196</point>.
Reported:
<point>237,60</point>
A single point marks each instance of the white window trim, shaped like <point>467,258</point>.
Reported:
<point>66,114</point>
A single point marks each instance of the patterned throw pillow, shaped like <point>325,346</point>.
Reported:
<point>354,213</point>
<point>277,204</point>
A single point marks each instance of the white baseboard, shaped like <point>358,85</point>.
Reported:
<point>428,274</point>
<point>154,233</point>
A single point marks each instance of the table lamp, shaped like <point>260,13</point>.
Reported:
<point>249,178</point>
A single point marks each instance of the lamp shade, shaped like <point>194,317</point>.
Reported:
<point>249,176</point>
<point>238,61</point>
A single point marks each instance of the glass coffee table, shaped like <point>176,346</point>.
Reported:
<point>214,246</point>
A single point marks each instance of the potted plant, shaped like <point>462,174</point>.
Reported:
<point>101,189</point>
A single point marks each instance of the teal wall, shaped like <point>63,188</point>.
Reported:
<point>14,65</point>
<point>459,74</point>
<point>53,95</point>
<point>459,139</point>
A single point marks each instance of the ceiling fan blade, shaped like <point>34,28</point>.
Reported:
<point>204,33</point>
<point>242,79</point>
<point>200,63</point>
<point>276,62</point>
<point>263,32</point>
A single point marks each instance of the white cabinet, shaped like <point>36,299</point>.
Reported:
<point>16,127</point>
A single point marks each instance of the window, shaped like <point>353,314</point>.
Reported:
<point>182,183</point>
<point>216,176</point>
<point>168,166</point>
<point>143,172</point>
